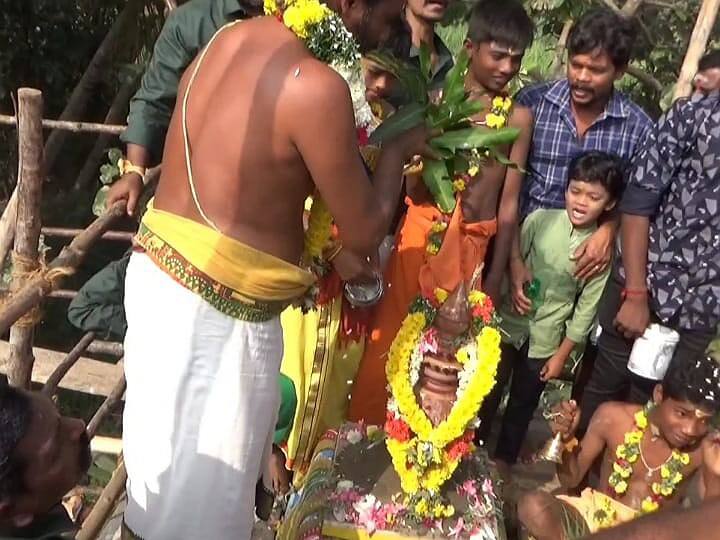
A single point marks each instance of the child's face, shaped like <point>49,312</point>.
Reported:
<point>493,65</point>
<point>379,84</point>
<point>586,201</point>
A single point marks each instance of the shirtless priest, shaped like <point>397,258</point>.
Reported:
<point>260,124</point>
<point>649,454</point>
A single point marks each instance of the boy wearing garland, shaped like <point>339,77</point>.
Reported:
<point>499,32</point>
<point>649,454</point>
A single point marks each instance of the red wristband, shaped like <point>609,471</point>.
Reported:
<point>633,292</point>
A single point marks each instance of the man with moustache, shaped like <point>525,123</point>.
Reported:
<point>580,113</point>
<point>43,455</point>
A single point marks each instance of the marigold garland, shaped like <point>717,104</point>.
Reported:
<point>425,457</point>
<point>627,454</point>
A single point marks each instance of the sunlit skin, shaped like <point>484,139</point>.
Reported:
<point>55,452</point>
<point>585,202</point>
<point>672,425</point>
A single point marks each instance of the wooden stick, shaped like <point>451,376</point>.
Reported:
<point>71,256</point>
<point>7,226</point>
<point>698,43</point>
<point>28,226</point>
<point>557,64</point>
<point>76,127</point>
<point>107,407</point>
<point>106,445</point>
<point>94,73</point>
<point>67,232</point>
<point>69,361</point>
<point>111,348</point>
<point>631,7</point>
<point>62,294</point>
<point>95,521</point>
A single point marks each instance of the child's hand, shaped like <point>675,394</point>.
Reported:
<point>552,369</point>
<point>519,276</point>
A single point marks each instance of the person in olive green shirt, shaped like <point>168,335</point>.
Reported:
<point>536,344</point>
<point>186,31</point>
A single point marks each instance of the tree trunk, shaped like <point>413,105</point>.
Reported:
<point>28,227</point>
<point>698,42</point>
<point>557,64</point>
<point>115,115</point>
<point>93,74</point>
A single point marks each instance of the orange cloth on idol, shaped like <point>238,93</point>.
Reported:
<point>463,249</point>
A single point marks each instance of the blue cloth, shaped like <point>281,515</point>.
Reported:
<point>675,182</point>
<point>555,140</point>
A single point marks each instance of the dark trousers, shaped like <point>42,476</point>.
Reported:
<point>611,380</point>
<point>525,390</point>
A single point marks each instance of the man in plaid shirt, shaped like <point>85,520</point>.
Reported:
<point>577,114</point>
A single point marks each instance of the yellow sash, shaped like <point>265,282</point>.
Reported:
<point>252,274</point>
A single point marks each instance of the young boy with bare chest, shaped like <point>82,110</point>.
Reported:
<point>649,454</point>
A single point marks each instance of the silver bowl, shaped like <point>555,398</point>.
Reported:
<point>365,293</point>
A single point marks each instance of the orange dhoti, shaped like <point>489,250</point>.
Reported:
<point>412,269</point>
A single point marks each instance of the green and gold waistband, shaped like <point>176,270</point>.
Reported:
<point>222,298</point>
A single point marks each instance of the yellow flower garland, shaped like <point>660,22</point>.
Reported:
<point>319,230</point>
<point>627,454</point>
<point>464,410</point>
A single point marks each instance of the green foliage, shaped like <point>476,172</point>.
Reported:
<point>458,144</point>
<point>109,172</point>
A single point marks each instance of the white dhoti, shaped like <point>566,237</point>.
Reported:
<point>201,402</point>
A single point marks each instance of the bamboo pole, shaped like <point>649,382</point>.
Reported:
<point>85,87</point>
<point>67,125</point>
<point>698,43</point>
<point>95,521</point>
<point>69,361</point>
<point>71,256</point>
<point>28,228</point>
<point>107,407</point>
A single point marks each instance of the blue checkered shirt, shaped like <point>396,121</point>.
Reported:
<point>555,139</point>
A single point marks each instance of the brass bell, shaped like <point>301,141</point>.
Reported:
<point>553,450</point>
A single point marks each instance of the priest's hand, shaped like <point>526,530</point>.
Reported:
<point>351,267</point>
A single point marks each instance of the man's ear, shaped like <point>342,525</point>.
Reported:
<point>609,206</point>
<point>658,394</point>
<point>468,45</point>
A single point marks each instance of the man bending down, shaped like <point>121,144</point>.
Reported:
<point>249,141</point>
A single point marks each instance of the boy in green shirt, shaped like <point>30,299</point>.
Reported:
<point>537,343</point>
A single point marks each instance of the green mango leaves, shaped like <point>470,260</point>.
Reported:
<point>451,114</point>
